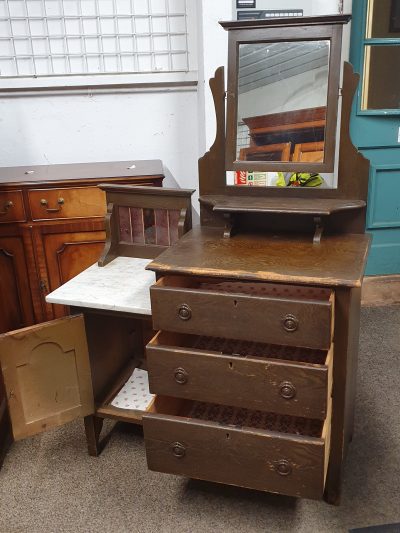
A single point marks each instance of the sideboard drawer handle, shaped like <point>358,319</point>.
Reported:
<point>290,323</point>
<point>287,390</point>
<point>45,203</point>
<point>283,467</point>
<point>8,205</point>
<point>181,376</point>
<point>178,450</point>
<point>184,312</point>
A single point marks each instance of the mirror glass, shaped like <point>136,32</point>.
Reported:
<point>282,101</point>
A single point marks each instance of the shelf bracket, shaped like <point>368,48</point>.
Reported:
<point>319,228</point>
<point>229,225</point>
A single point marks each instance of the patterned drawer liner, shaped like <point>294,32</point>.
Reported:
<point>241,418</point>
<point>258,349</point>
<point>135,394</point>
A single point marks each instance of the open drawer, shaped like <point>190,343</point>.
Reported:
<point>282,379</point>
<point>274,313</point>
<point>263,451</point>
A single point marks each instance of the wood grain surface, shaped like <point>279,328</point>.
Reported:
<point>287,258</point>
<point>255,382</point>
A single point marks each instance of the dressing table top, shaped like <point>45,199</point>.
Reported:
<point>122,285</point>
<point>339,260</point>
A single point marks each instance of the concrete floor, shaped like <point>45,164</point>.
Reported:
<point>49,484</point>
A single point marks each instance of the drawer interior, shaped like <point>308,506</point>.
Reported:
<point>259,289</point>
<point>245,418</point>
<point>241,418</point>
<point>245,349</point>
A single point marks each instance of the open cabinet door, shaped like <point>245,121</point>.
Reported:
<point>46,374</point>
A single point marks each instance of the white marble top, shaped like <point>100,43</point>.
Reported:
<point>122,285</point>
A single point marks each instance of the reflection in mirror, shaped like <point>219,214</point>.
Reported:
<point>282,101</point>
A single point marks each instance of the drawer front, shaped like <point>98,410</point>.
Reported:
<point>12,207</point>
<point>268,461</point>
<point>76,202</point>
<point>285,387</point>
<point>276,320</point>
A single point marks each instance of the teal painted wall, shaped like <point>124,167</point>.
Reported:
<point>376,135</point>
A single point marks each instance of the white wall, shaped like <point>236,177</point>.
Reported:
<point>176,127</point>
<point>102,127</point>
<point>213,47</point>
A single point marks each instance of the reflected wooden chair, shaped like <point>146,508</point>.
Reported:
<point>267,152</point>
<point>312,152</point>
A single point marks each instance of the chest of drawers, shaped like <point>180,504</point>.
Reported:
<point>263,369</point>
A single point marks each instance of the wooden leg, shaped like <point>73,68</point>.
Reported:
<point>93,425</point>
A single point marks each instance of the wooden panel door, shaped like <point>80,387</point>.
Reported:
<point>68,254</point>
<point>16,308</point>
<point>47,375</point>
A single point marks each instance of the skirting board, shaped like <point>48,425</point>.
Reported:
<point>381,290</point>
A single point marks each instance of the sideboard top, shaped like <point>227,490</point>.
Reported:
<point>33,174</point>
<point>339,260</point>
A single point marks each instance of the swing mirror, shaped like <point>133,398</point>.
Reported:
<point>282,102</point>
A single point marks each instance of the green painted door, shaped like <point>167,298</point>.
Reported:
<point>375,123</point>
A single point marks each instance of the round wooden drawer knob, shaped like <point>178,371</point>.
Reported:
<point>8,205</point>
<point>290,323</point>
<point>184,312</point>
<point>287,390</point>
<point>178,449</point>
<point>181,376</point>
<point>283,468</point>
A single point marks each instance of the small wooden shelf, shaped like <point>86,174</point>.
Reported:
<point>131,416</point>
<point>292,206</point>
<point>106,410</point>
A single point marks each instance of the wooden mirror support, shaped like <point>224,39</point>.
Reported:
<point>144,221</point>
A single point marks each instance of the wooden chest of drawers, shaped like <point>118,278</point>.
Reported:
<point>246,393</point>
<point>260,371</point>
<point>52,228</point>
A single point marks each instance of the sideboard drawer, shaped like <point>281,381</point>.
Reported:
<point>74,202</point>
<point>262,451</point>
<point>12,207</point>
<point>272,313</point>
<point>282,379</point>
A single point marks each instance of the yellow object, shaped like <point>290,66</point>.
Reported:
<point>299,179</point>
<point>280,182</point>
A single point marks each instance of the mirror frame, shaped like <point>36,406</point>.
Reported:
<point>284,30</point>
